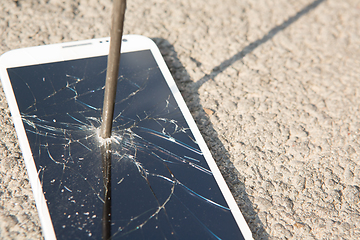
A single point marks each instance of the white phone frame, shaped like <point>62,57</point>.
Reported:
<point>93,48</point>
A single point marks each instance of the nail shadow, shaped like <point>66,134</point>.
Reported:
<point>252,46</point>
<point>189,90</point>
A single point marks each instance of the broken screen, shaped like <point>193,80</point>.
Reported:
<point>158,183</point>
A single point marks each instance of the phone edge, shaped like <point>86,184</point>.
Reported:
<point>40,202</point>
<point>229,198</point>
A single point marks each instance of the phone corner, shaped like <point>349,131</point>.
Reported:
<point>3,57</point>
<point>141,39</point>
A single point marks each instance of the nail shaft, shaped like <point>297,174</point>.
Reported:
<point>116,33</point>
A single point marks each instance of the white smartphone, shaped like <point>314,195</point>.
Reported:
<point>163,182</point>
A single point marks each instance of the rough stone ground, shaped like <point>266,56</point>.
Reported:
<point>274,86</point>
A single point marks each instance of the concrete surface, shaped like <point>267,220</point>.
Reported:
<point>272,84</point>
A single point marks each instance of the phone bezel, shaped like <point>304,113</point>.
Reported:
<point>92,48</point>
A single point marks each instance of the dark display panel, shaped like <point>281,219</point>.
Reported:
<point>158,182</point>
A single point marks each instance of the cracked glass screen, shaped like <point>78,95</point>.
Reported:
<point>158,183</point>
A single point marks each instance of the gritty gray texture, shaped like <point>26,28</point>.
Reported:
<point>274,86</point>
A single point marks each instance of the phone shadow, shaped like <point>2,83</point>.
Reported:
<point>217,149</point>
<point>189,91</point>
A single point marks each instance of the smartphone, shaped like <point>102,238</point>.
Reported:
<point>158,181</point>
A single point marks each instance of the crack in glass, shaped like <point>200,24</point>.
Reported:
<point>158,183</point>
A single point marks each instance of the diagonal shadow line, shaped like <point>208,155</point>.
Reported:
<point>252,46</point>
